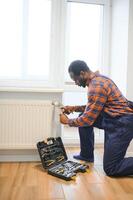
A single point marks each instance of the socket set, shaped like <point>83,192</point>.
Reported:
<point>54,159</point>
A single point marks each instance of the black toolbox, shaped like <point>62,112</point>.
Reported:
<point>54,159</point>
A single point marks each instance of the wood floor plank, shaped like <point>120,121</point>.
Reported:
<point>29,181</point>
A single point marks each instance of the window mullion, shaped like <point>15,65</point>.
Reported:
<point>57,55</point>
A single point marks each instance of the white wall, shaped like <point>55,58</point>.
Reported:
<point>129,85</point>
<point>121,59</point>
<point>119,43</point>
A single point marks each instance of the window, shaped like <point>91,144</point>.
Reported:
<point>84,41</point>
<point>84,34</point>
<point>10,38</point>
<point>25,39</point>
<point>39,39</point>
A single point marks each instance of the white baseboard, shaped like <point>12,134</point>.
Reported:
<point>22,155</point>
<point>29,155</point>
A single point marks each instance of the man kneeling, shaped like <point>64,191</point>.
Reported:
<point>106,109</point>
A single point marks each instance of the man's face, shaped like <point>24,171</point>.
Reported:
<point>79,80</point>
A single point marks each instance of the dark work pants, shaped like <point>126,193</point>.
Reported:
<point>118,134</point>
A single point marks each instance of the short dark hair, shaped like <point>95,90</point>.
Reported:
<point>77,66</point>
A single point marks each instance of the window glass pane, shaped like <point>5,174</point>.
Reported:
<point>84,34</point>
<point>39,37</point>
<point>10,38</point>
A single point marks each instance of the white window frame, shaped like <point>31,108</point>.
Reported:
<point>57,48</point>
<point>69,86</point>
<point>56,54</point>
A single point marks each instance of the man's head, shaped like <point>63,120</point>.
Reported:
<point>79,72</point>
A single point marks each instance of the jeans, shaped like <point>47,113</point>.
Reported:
<point>118,134</point>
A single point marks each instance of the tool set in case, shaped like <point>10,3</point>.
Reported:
<point>54,159</point>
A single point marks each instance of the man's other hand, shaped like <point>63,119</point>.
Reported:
<point>67,109</point>
<point>64,119</point>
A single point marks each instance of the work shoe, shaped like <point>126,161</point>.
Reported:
<point>79,157</point>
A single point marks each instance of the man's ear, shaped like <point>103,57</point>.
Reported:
<point>82,73</point>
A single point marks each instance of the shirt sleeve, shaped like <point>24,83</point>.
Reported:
<point>79,108</point>
<point>96,101</point>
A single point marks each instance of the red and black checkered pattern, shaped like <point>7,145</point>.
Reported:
<point>103,96</point>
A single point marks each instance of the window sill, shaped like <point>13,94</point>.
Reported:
<point>20,89</point>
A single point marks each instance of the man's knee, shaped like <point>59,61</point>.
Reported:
<point>110,169</point>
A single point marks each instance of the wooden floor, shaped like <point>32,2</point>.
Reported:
<point>28,181</point>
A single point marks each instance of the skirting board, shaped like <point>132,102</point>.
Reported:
<point>26,155</point>
<point>29,155</point>
<point>19,155</point>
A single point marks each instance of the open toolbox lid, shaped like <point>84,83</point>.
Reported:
<point>51,152</point>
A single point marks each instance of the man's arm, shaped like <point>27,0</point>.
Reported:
<point>96,102</point>
<point>71,109</point>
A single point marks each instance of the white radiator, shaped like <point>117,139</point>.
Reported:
<point>24,123</point>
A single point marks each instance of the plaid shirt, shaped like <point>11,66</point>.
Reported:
<point>103,95</point>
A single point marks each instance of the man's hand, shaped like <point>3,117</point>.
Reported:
<point>64,119</point>
<point>67,109</point>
